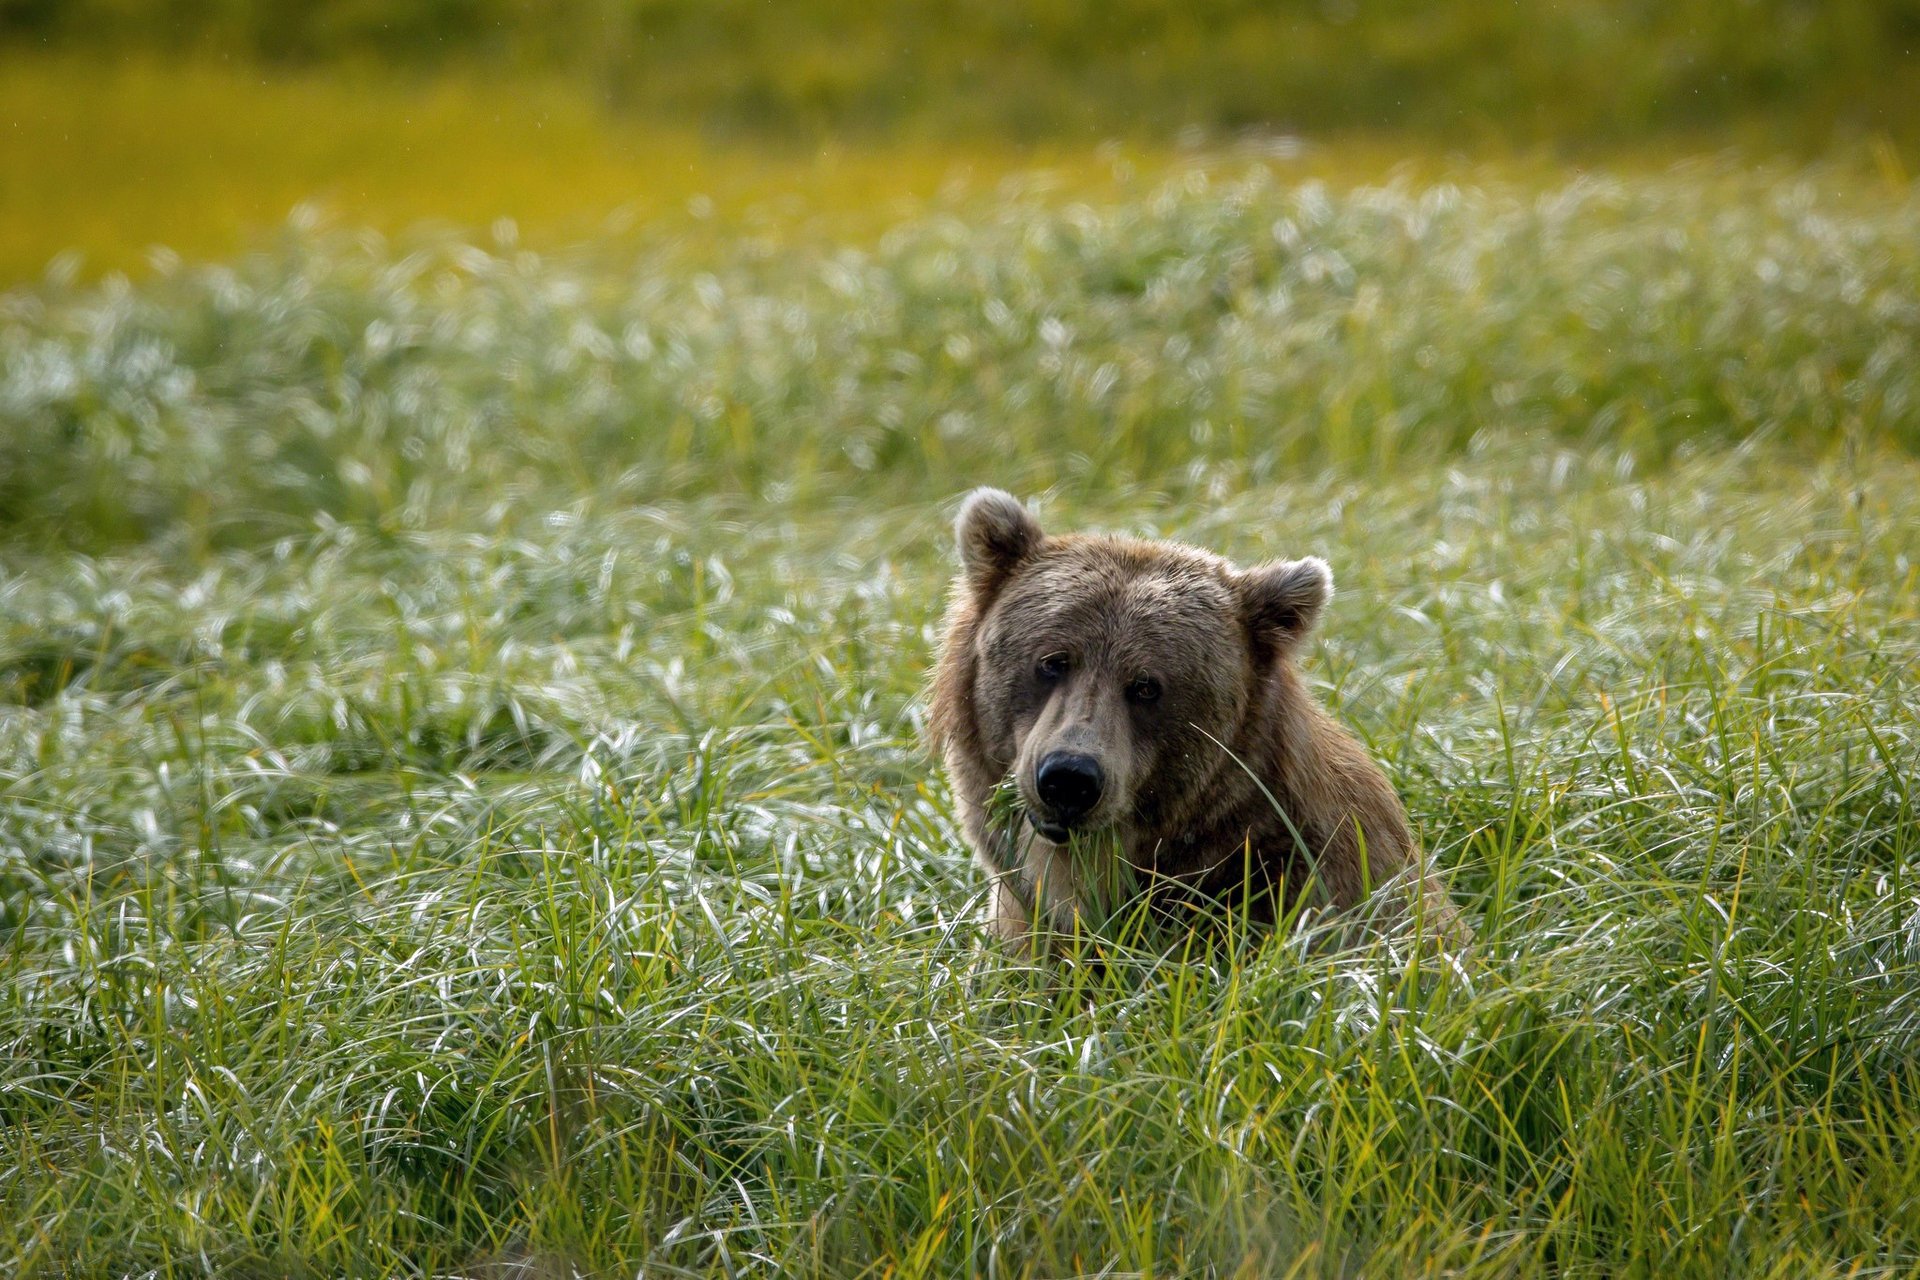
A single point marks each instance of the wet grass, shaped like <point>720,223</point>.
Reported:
<point>462,810</point>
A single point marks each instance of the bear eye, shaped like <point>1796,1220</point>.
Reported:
<point>1143,690</point>
<point>1053,666</point>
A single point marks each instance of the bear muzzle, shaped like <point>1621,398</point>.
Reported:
<point>1068,786</point>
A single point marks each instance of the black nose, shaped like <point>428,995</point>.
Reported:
<point>1069,784</point>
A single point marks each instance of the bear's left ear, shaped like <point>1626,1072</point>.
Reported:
<point>995,534</point>
<point>1283,599</point>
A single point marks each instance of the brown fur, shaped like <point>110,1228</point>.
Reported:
<point>1231,786</point>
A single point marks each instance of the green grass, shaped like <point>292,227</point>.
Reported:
<point>462,810</point>
<point>1218,330</point>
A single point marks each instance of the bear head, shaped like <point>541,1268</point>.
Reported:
<point>1107,678</point>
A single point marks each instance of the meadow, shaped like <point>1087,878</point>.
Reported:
<point>462,809</point>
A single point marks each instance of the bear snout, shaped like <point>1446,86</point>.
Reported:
<point>1069,785</point>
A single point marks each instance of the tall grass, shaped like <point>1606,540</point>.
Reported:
<point>1223,329</point>
<point>580,896</point>
<point>462,808</point>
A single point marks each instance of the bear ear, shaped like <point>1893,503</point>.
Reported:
<point>995,534</point>
<point>1284,599</point>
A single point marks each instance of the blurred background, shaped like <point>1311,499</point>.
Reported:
<point>193,123</point>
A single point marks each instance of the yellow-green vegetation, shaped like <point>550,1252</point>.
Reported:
<point>114,166</point>
<point>117,161</point>
<point>126,124</point>
<point>461,802</point>
<point>1581,70</point>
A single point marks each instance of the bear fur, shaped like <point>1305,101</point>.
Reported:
<point>1155,687</point>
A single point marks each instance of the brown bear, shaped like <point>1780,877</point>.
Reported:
<point>1124,726</point>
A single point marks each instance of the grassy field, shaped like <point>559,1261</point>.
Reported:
<point>461,809</point>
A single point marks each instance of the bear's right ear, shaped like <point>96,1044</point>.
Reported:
<point>995,534</point>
